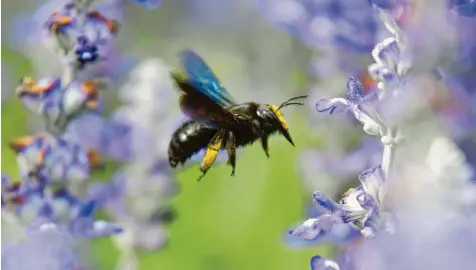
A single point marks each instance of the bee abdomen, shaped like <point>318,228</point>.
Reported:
<point>187,140</point>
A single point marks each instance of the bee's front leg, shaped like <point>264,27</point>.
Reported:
<point>264,144</point>
<point>231,149</point>
<point>212,152</point>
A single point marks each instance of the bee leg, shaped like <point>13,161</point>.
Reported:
<point>264,143</point>
<point>212,152</point>
<point>257,130</point>
<point>231,149</point>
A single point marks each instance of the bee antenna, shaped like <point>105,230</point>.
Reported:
<point>288,102</point>
<point>292,103</point>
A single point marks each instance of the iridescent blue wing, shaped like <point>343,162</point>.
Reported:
<point>202,79</point>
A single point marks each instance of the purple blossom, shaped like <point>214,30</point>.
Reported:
<point>150,4</point>
<point>466,8</point>
<point>58,104</point>
<point>46,249</point>
<point>360,208</point>
<point>319,263</point>
<point>325,23</point>
<point>59,160</point>
<point>356,102</point>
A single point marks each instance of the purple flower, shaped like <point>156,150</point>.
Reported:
<point>150,4</point>
<point>466,8</point>
<point>360,207</point>
<point>349,24</point>
<point>58,104</point>
<point>46,249</point>
<point>63,211</point>
<point>59,160</point>
<point>358,104</point>
<point>76,28</point>
<point>319,263</point>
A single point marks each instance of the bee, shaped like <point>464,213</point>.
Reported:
<point>216,121</point>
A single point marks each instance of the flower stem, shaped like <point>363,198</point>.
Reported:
<point>389,143</point>
<point>388,151</point>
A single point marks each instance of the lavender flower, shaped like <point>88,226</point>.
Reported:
<point>59,105</point>
<point>319,263</point>
<point>150,4</point>
<point>360,207</point>
<point>58,159</point>
<point>78,29</point>
<point>325,23</point>
<point>358,104</point>
<point>407,192</point>
<point>55,166</point>
<point>46,249</point>
<point>466,8</point>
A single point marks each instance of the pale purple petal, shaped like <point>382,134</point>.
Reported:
<point>333,105</point>
<point>319,263</point>
<point>372,181</point>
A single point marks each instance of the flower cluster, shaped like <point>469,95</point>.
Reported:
<point>53,206</point>
<point>366,218</point>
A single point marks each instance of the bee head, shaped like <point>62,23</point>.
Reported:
<point>277,115</point>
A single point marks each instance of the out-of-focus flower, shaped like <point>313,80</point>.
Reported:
<point>150,4</point>
<point>466,8</point>
<point>45,249</point>
<point>58,159</point>
<point>319,167</point>
<point>390,64</point>
<point>58,104</point>
<point>319,263</point>
<point>349,24</point>
<point>78,30</point>
<point>11,192</point>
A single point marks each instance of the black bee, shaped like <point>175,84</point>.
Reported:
<point>217,121</point>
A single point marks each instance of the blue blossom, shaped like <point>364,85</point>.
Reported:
<point>59,104</point>
<point>360,207</point>
<point>350,24</point>
<point>358,104</point>
<point>150,4</point>
<point>46,249</point>
<point>78,29</point>
<point>58,159</point>
<point>319,263</point>
<point>466,8</point>
<point>11,193</point>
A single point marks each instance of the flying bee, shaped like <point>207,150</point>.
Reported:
<point>217,121</point>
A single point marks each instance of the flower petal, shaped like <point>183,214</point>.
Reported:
<point>333,105</point>
<point>355,90</point>
<point>314,227</point>
<point>319,263</point>
<point>324,201</point>
<point>372,180</point>
<point>370,126</point>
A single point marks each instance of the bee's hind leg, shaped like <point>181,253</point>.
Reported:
<point>231,149</point>
<point>212,152</point>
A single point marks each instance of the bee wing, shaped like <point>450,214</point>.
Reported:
<point>204,97</point>
<point>201,77</point>
<point>198,106</point>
